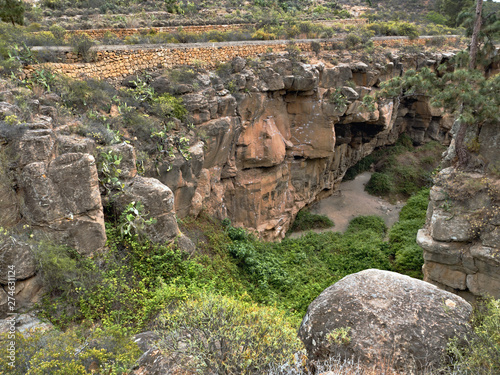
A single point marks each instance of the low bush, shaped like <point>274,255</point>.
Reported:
<point>306,220</point>
<point>408,256</point>
<point>223,335</point>
<point>379,184</point>
<point>372,223</point>
<point>78,351</point>
<point>480,353</point>
<point>82,44</point>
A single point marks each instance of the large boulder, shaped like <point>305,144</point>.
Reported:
<point>62,200</point>
<point>382,316</point>
<point>158,202</point>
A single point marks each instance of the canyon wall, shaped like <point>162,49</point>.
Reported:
<point>286,133</point>
<point>268,137</point>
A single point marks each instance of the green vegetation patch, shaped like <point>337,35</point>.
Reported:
<point>401,170</point>
<point>306,220</point>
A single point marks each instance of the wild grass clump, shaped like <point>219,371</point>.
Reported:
<point>305,220</point>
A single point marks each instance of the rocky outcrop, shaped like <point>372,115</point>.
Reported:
<point>461,238</point>
<point>384,317</point>
<point>62,199</point>
<point>156,199</point>
<point>285,135</point>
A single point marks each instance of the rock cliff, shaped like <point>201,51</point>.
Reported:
<point>280,134</point>
<point>461,239</point>
<point>267,139</point>
<point>50,192</point>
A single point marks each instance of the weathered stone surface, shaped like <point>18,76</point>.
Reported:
<point>19,254</point>
<point>9,206</point>
<point>272,80</point>
<point>36,145</point>
<point>489,141</point>
<point>305,78</point>
<point>261,145</point>
<point>441,252</point>
<point>443,274</point>
<point>445,226</point>
<point>71,144</point>
<point>227,106</point>
<point>357,112</point>
<point>238,64</point>
<point>24,323</point>
<point>349,93</point>
<point>41,204</point>
<point>28,292</point>
<point>158,202</point>
<point>75,178</point>
<point>152,362</point>
<point>85,233</point>
<point>491,238</point>
<point>484,285</point>
<point>7,109</point>
<point>220,140</point>
<point>127,166</point>
<point>389,316</point>
<point>63,200</point>
<point>336,76</point>
<point>4,306</point>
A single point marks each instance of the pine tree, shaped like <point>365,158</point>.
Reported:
<point>12,11</point>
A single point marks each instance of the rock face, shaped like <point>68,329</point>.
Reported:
<point>385,317</point>
<point>280,135</point>
<point>461,238</point>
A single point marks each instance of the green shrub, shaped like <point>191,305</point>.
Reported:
<point>306,220</point>
<point>408,256</point>
<point>352,40</point>
<point>167,106</point>
<point>379,184</point>
<point>82,44</point>
<point>480,354</point>
<point>222,335</point>
<point>76,351</point>
<point>373,223</point>
<point>58,32</point>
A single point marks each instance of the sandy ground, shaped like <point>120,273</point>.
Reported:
<point>350,201</point>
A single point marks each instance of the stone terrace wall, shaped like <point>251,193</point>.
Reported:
<point>120,61</point>
<point>121,33</point>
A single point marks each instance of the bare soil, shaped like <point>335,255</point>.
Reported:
<point>350,201</point>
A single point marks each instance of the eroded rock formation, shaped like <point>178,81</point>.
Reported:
<point>286,134</point>
<point>461,239</point>
<point>50,192</point>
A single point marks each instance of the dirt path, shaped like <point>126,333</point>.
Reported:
<point>351,201</point>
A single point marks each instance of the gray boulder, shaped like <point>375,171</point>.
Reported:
<point>16,253</point>
<point>380,316</point>
<point>158,202</point>
<point>63,201</point>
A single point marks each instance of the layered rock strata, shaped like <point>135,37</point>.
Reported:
<point>285,133</point>
<point>461,239</point>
